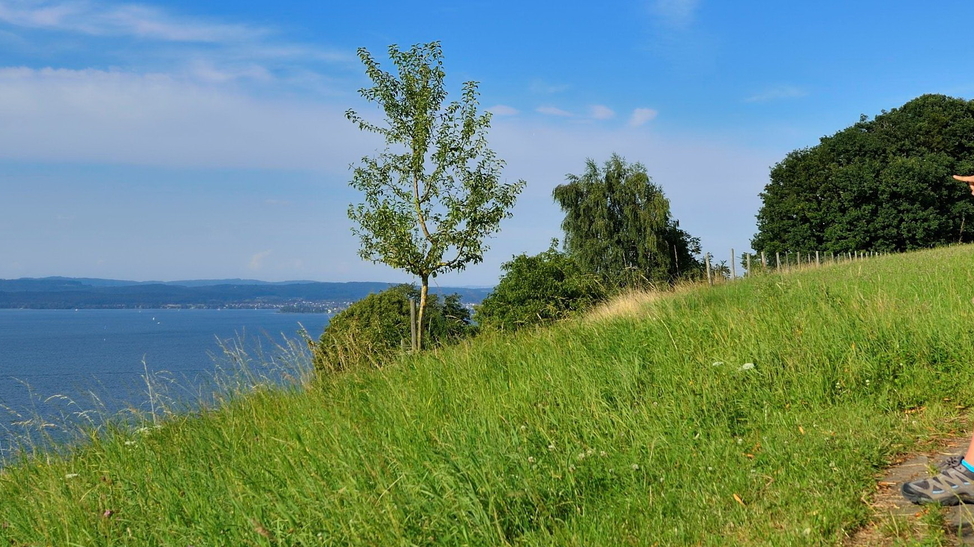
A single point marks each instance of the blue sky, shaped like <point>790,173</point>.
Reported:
<point>183,140</point>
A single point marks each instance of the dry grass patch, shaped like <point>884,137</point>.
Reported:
<point>635,303</point>
<point>628,304</point>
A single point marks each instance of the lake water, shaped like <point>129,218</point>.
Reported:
<point>57,364</point>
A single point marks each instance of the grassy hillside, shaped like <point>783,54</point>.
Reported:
<point>618,430</point>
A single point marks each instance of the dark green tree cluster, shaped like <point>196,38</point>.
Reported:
<point>879,185</point>
<point>539,289</point>
<point>434,194</point>
<point>618,226</point>
<point>375,328</point>
<point>618,235</point>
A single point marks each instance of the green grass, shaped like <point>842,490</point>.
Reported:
<point>594,432</point>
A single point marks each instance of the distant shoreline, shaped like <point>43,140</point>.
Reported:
<point>297,297</point>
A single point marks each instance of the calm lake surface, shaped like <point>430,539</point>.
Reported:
<point>58,363</point>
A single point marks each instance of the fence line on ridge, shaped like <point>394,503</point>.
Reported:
<point>752,262</point>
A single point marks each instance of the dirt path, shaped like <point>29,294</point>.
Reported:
<point>898,522</point>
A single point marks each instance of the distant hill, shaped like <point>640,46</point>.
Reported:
<point>43,283</point>
<point>67,293</point>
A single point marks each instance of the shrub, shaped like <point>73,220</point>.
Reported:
<point>372,330</point>
<point>537,290</point>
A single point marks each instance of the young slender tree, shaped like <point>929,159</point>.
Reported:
<point>434,194</point>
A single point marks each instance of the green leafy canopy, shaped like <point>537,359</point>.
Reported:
<point>434,193</point>
<point>878,185</point>
<point>374,329</point>
<point>537,290</point>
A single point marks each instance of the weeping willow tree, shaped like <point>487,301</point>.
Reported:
<point>618,226</point>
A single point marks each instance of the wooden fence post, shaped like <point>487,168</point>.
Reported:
<point>733,271</point>
<point>706,260</point>
<point>412,322</point>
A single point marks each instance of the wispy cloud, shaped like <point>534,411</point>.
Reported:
<point>100,19</point>
<point>553,111</point>
<point>214,52</point>
<point>205,70</point>
<point>542,87</point>
<point>642,116</point>
<point>595,112</point>
<point>257,261</point>
<point>601,112</point>
<point>119,117</point>
<point>777,93</point>
<point>677,14</point>
<point>503,110</point>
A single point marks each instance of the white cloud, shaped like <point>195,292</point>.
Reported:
<point>503,110</point>
<point>677,14</point>
<point>642,116</point>
<point>776,93</point>
<point>601,112</point>
<point>120,117</point>
<point>553,111</point>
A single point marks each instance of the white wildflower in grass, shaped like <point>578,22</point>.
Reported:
<point>602,453</point>
<point>71,476</point>
<point>530,459</point>
<point>717,363</point>
<point>746,366</point>
<point>130,443</point>
<point>635,467</point>
<point>147,430</point>
<point>551,446</point>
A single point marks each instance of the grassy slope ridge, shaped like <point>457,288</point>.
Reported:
<point>594,432</point>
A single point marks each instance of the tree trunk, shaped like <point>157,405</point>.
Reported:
<point>422,311</point>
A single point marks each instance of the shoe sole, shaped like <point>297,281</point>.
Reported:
<point>918,498</point>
